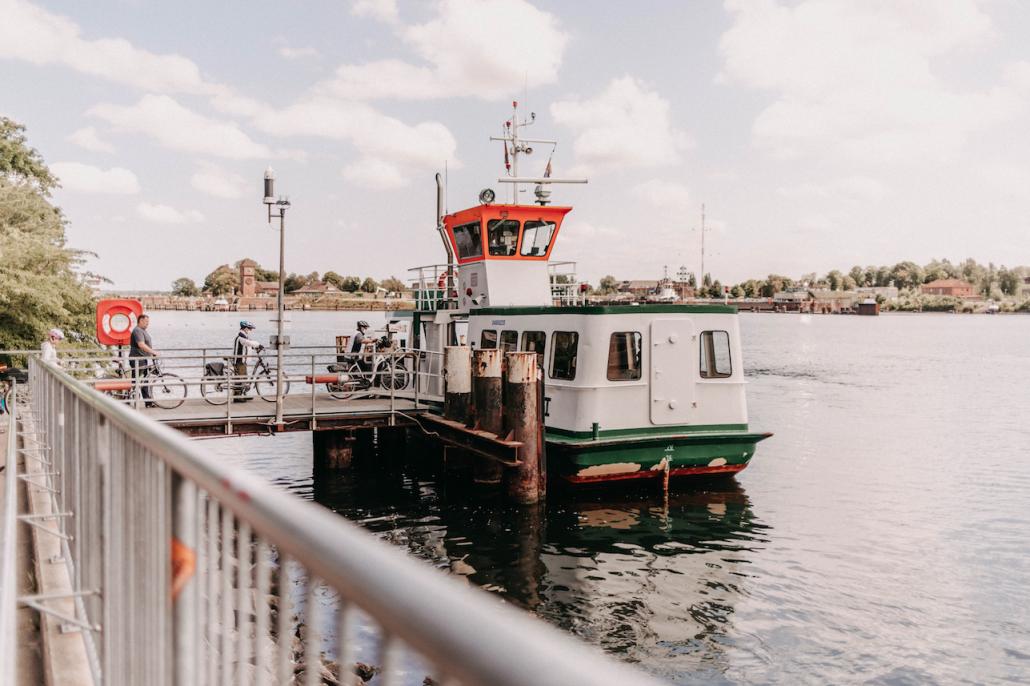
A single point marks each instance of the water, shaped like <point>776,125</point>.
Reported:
<point>880,536</point>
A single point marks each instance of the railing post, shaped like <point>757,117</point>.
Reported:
<point>184,587</point>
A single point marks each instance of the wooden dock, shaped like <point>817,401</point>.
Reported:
<point>197,417</point>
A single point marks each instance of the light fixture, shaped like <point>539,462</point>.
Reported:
<point>486,196</point>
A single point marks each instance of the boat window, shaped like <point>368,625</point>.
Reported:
<point>468,241</point>
<point>536,237</point>
<point>504,235</point>
<point>624,356</point>
<point>509,341</point>
<point>488,340</point>
<point>534,341</point>
<point>564,348</point>
<point>715,355</point>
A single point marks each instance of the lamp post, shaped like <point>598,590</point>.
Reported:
<point>279,341</point>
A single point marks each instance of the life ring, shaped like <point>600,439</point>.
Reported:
<point>116,319</point>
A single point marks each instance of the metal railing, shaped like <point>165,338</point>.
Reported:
<point>209,575</point>
<point>418,373</point>
<point>9,551</point>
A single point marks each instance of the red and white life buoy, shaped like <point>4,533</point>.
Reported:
<point>115,320</point>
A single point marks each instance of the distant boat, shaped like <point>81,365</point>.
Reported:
<point>221,305</point>
<point>992,307</point>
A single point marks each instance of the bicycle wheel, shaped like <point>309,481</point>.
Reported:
<point>396,376</point>
<point>214,389</point>
<point>348,388</point>
<point>168,391</point>
<point>265,384</point>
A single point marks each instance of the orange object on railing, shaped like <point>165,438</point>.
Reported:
<point>325,378</point>
<point>115,385</point>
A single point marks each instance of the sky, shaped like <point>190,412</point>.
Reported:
<point>818,134</point>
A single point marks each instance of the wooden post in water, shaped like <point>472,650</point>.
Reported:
<point>523,417</point>
<point>457,383</point>
<point>332,449</point>
<point>487,400</point>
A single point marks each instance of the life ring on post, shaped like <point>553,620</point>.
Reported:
<point>115,320</point>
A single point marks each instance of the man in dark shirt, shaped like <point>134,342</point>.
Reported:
<point>357,347</point>
<point>140,348</point>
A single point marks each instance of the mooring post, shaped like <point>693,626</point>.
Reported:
<point>522,417</point>
<point>457,392</point>
<point>332,449</point>
<point>487,398</point>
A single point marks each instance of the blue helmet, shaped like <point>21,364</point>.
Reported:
<point>246,325</point>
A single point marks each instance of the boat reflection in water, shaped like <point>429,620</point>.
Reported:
<point>651,579</point>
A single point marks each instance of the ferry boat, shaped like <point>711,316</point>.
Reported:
<point>633,391</point>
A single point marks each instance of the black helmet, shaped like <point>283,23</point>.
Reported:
<point>362,324</point>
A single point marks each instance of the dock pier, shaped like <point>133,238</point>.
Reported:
<point>175,569</point>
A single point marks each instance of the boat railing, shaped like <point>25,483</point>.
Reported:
<point>189,571</point>
<point>566,288</point>
<point>434,287</point>
<point>9,547</point>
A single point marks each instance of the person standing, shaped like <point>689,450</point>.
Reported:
<point>240,350</point>
<point>140,348</point>
<point>49,347</point>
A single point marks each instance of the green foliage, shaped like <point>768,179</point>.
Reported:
<point>835,280</point>
<point>294,282</point>
<point>222,281</point>
<point>21,164</point>
<point>333,279</point>
<point>40,286</point>
<point>393,285</point>
<point>609,284</point>
<point>369,285</point>
<point>185,286</point>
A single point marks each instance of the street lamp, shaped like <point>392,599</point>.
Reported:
<point>279,341</point>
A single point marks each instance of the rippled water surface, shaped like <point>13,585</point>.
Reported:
<point>882,535</point>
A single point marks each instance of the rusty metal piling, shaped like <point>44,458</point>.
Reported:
<point>332,449</point>
<point>526,483</point>
<point>487,399</point>
<point>458,383</point>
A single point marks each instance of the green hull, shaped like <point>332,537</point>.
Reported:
<point>634,454</point>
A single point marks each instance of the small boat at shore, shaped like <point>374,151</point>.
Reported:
<point>634,391</point>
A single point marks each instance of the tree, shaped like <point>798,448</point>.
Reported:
<point>608,285</point>
<point>393,285</point>
<point>222,281</point>
<point>715,290</point>
<point>1008,281</point>
<point>294,282</point>
<point>40,281</point>
<point>857,275</point>
<point>692,280</point>
<point>185,286</point>
<point>369,285</point>
<point>834,279</point>
<point>707,281</point>
<point>351,284</point>
<point>333,279</point>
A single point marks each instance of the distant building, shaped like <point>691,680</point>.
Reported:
<point>263,289</point>
<point>888,292</point>
<point>247,280</point>
<point>317,289</point>
<point>825,300</point>
<point>954,287</point>
<point>638,288</point>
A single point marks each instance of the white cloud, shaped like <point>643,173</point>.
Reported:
<point>178,128</point>
<point>165,214</point>
<point>859,78</point>
<point>220,183</point>
<point>665,195</point>
<point>383,10</point>
<point>462,55</point>
<point>627,125</point>
<point>85,178</point>
<point>34,35</point>
<point>88,138</point>
<point>860,188</point>
<point>374,174</point>
<point>289,53</point>
<point>374,134</point>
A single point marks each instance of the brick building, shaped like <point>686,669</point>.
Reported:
<point>954,287</point>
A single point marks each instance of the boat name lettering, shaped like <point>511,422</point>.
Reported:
<point>497,322</point>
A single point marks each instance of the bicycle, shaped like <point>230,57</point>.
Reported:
<point>387,371</point>
<point>218,381</point>
<point>167,390</point>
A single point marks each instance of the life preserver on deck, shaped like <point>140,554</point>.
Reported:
<point>116,319</point>
<point>442,281</point>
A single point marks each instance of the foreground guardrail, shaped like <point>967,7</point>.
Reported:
<point>209,575</point>
<point>8,551</point>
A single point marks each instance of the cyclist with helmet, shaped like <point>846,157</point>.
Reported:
<point>49,347</point>
<point>357,347</point>
<point>240,350</point>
